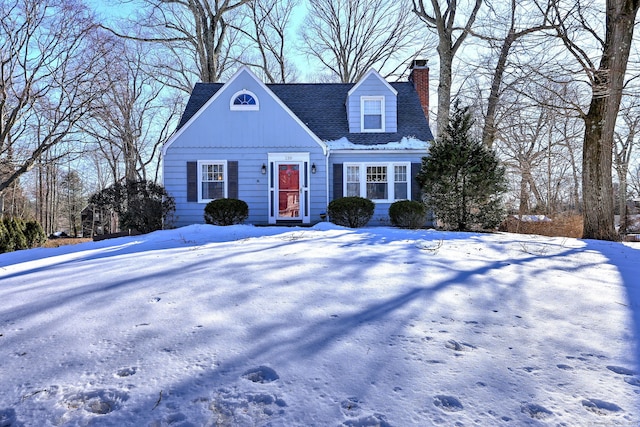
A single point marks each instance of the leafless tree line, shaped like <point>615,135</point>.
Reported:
<point>551,81</point>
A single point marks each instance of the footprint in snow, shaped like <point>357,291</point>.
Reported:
<point>99,402</point>
<point>600,407</point>
<point>633,381</point>
<point>535,411</point>
<point>261,374</point>
<point>447,403</point>
<point>620,370</point>
<point>126,372</point>
<point>8,418</point>
<point>375,420</point>
<point>350,406</point>
<point>456,346</point>
<point>231,408</point>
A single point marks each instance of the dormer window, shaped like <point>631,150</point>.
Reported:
<point>372,113</point>
<point>244,100</point>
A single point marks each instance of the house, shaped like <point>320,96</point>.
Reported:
<point>289,149</point>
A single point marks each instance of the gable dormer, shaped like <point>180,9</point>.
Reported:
<point>372,105</point>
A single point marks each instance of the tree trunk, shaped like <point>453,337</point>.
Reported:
<point>608,81</point>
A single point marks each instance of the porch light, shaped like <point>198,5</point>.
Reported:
<point>313,168</point>
<point>264,169</point>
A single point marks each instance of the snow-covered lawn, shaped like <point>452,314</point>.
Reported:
<point>324,326</point>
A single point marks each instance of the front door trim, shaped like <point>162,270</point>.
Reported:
<point>302,161</point>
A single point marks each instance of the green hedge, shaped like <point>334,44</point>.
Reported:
<point>408,214</point>
<point>351,212</point>
<point>16,235</point>
<point>226,212</point>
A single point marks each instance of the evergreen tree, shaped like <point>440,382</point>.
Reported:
<point>462,180</point>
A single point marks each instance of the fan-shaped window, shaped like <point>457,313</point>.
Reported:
<point>244,100</point>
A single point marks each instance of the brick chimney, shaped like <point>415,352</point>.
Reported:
<point>419,76</point>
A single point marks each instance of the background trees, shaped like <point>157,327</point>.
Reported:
<point>348,37</point>
<point>84,107</point>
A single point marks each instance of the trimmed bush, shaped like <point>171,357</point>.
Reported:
<point>226,212</point>
<point>34,234</point>
<point>353,212</point>
<point>408,214</point>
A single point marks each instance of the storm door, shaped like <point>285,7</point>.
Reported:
<point>289,194</point>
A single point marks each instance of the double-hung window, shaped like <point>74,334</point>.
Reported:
<point>379,182</point>
<point>212,180</point>
<point>372,113</point>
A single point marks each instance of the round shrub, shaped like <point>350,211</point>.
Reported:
<point>351,212</point>
<point>34,234</point>
<point>408,214</point>
<point>226,212</point>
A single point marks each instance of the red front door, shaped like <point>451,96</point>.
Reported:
<point>289,190</point>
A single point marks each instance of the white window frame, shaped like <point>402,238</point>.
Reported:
<point>202,163</point>
<point>243,107</point>
<point>382,113</point>
<point>362,169</point>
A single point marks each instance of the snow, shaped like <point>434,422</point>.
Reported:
<point>532,218</point>
<point>404,144</point>
<point>321,326</point>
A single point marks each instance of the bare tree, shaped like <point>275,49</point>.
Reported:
<point>49,52</point>
<point>132,118</point>
<point>349,37</point>
<point>519,26</point>
<point>451,35</point>
<point>574,26</point>
<point>265,26</point>
<point>626,139</point>
<point>193,36</point>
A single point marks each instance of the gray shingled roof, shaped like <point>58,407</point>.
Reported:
<point>326,115</point>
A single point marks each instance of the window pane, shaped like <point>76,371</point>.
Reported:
<point>353,173</point>
<point>212,185</point>
<point>353,181</point>
<point>377,191</point>
<point>353,189</point>
<point>400,189</point>
<point>372,114</point>
<point>372,106</point>
<point>212,190</point>
<point>213,172</point>
<point>244,99</point>
<point>372,122</point>
<point>400,174</point>
<point>377,182</point>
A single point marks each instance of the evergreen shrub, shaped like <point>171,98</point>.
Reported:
<point>13,238</point>
<point>226,212</point>
<point>408,214</point>
<point>353,212</point>
<point>34,234</point>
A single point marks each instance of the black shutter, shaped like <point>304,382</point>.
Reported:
<point>416,191</point>
<point>192,181</point>
<point>337,181</point>
<point>232,176</point>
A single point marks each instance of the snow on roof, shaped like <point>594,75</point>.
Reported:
<point>404,144</point>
